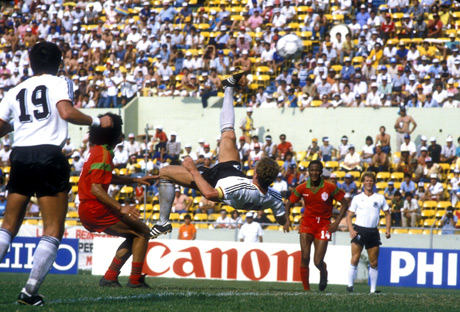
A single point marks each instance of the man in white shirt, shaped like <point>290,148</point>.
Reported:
<point>409,145</point>
<point>251,232</point>
<point>223,221</point>
<point>132,146</point>
<point>448,152</point>
<point>373,98</point>
<point>120,156</point>
<point>434,190</point>
<point>280,185</point>
<point>410,211</point>
<point>5,155</point>
<point>366,206</point>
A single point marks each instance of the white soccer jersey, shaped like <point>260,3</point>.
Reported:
<point>241,193</point>
<point>32,107</point>
<point>367,209</point>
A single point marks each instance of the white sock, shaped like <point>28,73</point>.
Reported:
<point>5,240</point>
<point>373,274</point>
<point>44,257</point>
<point>352,271</point>
<point>167,194</point>
<point>227,114</point>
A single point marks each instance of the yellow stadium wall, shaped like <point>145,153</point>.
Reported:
<point>187,117</point>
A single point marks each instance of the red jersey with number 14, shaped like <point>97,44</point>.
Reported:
<point>319,202</point>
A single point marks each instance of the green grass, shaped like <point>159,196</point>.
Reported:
<point>82,293</point>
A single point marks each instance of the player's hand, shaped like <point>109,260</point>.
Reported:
<point>188,163</point>
<point>333,227</point>
<point>287,226</point>
<point>353,234</point>
<point>130,211</point>
<point>387,234</point>
<point>106,122</point>
<point>147,180</point>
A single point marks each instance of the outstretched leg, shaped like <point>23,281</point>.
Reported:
<point>227,147</point>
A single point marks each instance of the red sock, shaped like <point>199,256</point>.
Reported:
<point>114,270</point>
<point>305,275</point>
<point>136,271</point>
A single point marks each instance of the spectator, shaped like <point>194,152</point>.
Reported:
<point>410,211</point>
<point>448,152</point>
<point>407,185</point>
<point>283,147</point>
<point>223,221</point>
<point>77,163</point>
<point>402,127</point>
<point>120,158</point>
<point>390,191</point>
<point>343,148</point>
<point>281,185</point>
<point>68,148</point>
<point>132,146</point>
<point>368,151</point>
<point>160,137</point>
<point>5,153</point>
<point>236,221</point>
<point>187,231</point>
<point>251,232</point>
<point>261,218</point>
<point>247,124</point>
<point>434,150</point>
<point>397,204</point>
<point>449,221</point>
<point>2,204</point>
<point>182,202</point>
<point>349,186</point>
<point>380,161</point>
<point>434,190</point>
<point>173,148</point>
<point>352,161</point>
<point>326,151</point>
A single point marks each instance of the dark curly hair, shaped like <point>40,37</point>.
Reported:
<point>316,162</point>
<point>267,169</point>
<point>109,136</point>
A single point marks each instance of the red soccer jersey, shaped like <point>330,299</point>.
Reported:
<point>319,203</point>
<point>96,169</point>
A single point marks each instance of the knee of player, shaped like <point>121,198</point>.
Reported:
<point>229,135</point>
<point>374,264</point>
<point>319,264</point>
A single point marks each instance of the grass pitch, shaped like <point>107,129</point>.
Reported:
<point>82,293</point>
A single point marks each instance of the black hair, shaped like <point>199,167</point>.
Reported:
<point>109,136</point>
<point>45,58</point>
<point>316,162</point>
<point>369,138</point>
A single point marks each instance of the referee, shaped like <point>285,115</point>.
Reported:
<point>366,206</point>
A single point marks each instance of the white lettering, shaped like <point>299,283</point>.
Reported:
<point>30,255</point>
<point>396,270</point>
<point>73,255</point>
<point>17,261</point>
<point>423,268</point>
<point>452,269</point>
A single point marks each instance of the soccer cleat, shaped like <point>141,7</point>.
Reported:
<point>31,300</point>
<point>158,230</point>
<point>233,80</point>
<point>142,283</point>
<point>323,279</point>
<point>350,289</point>
<point>377,292</point>
<point>109,283</point>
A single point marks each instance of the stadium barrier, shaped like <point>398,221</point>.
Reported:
<point>419,268</point>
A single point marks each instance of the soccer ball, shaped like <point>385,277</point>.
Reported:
<point>289,47</point>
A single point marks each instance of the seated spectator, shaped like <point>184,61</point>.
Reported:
<point>449,221</point>
<point>434,150</point>
<point>448,152</point>
<point>380,161</point>
<point>182,202</point>
<point>3,204</point>
<point>326,151</point>
<point>434,190</point>
<point>283,147</point>
<point>5,155</point>
<point>255,155</point>
<point>343,148</point>
<point>261,218</point>
<point>280,185</point>
<point>223,221</point>
<point>173,148</point>
<point>410,211</point>
<point>313,150</point>
<point>68,148</point>
<point>236,221</point>
<point>120,156</point>
<point>407,185</point>
<point>420,192</point>
<point>397,204</point>
<point>390,191</point>
<point>161,158</point>
<point>352,161</point>
<point>349,186</point>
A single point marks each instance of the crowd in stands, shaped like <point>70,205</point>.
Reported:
<point>390,53</point>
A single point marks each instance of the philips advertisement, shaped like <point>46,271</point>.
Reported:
<point>20,256</point>
<point>428,268</point>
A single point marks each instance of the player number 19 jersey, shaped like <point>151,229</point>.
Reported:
<point>31,106</point>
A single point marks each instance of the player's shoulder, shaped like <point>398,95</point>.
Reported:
<point>275,194</point>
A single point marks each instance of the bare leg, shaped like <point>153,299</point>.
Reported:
<point>352,271</point>
<point>373,254</point>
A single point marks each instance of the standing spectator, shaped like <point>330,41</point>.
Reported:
<point>402,127</point>
<point>434,150</point>
<point>187,231</point>
<point>367,206</point>
<point>410,211</point>
<point>173,148</point>
<point>251,232</point>
<point>247,124</point>
<point>283,147</point>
